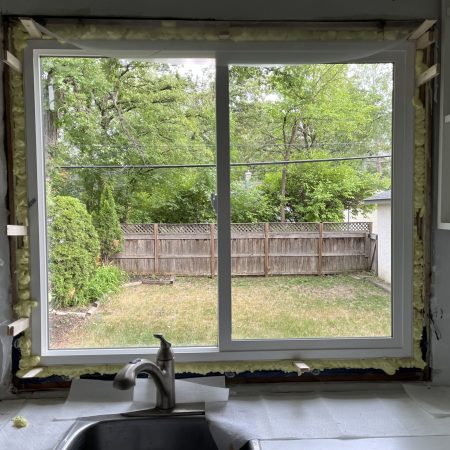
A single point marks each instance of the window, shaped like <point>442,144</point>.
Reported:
<point>198,137</point>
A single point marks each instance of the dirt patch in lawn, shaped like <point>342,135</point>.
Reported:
<point>61,327</point>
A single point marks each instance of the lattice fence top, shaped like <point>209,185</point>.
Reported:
<point>286,227</point>
<point>347,226</point>
<point>247,227</point>
<point>292,227</point>
<point>183,228</point>
<point>137,228</point>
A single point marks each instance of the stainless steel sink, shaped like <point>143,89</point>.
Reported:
<point>136,433</point>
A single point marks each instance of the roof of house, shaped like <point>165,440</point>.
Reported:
<point>381,197</point>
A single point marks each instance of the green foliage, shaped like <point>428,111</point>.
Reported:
<point>250,204</point>
<point>120,112</point>
<point>181,197</point>
<point>74,250</point>
<point>290,112</point>
<point>107,280</point>
<point>114,111</point>
<point>343,108</point>
<point>321,192</point>
<point>108,226</point>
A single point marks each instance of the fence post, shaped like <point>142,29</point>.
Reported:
<point>156,248</point>
<point>368,245</point>
<point>266,249</point>
<point>213,252</point>
<point>319,260</point>
<point>374,254</point>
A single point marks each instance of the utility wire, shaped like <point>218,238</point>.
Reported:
<point>240,164</point>
<point>252,146</point>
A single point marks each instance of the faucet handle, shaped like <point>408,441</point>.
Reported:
<point>165,352</point>
<point>164,341</point>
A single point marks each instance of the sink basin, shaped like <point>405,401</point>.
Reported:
<point>136,433</point>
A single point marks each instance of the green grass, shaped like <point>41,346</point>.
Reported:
<point>273,307</point>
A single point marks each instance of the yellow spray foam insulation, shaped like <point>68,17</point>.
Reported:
<point>19,422</point>
<point>169,30</point>
<point>174,32</point>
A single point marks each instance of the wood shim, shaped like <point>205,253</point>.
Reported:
<point>33,372</point>
<point>18,326</point>
<point>425,40</point>
<point>429,74</point>
<point>12,62</point>
<point>30,26</point>
<point>423,28</point>
<point>16,230</point>
<point>301,367</point>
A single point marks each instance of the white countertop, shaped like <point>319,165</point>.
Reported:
<point>394,443</point>
<point>42,432</point>
<point>316,416</point>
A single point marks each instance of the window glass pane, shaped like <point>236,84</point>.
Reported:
<point>130,173</point>
<point>311,200</point>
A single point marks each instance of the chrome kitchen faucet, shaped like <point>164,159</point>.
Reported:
<point>163,373</point>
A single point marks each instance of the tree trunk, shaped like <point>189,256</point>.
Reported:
<point>287,156</point>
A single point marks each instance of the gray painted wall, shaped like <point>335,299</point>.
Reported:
<point>5,298</point>
<point>440,307</point>
<point>241,10</point>
<point>231,9</point>
<point>440,300</point>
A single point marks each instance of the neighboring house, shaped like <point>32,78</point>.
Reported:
<point>383,212</point>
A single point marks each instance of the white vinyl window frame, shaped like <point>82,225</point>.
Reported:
<point>400,344</point>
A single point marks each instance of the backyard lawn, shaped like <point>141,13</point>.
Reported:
<point>273,307</point>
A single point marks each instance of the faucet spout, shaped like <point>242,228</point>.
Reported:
<point>163,374</point>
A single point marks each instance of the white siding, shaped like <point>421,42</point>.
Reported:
<point>384,241</point>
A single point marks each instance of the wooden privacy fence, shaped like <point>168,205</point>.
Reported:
<point>256,248</point>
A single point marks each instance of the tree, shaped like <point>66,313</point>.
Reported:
<point>118,112</point>
<point>321,192</point>
<point>300,108</point>
<point>108,226</point>
<point>114,111</point>
<point>182,197</point>
<point>250,204</point>
<point>74,251</point>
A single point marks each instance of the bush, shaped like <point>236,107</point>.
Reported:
<point>250,204</point>
<point>73,251</point>
<point>107,280</point>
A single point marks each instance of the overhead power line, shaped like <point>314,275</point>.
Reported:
<point>211,165</point>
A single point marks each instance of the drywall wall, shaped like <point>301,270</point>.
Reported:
<point>440,307</point>
<point>231,9</point>
<point>5,301</point>
<point>440,300</point>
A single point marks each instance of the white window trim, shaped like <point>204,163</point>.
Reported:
<point>401,342</point>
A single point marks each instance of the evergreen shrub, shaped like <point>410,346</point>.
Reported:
<point>108,225</point>
<point>73,251</point>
